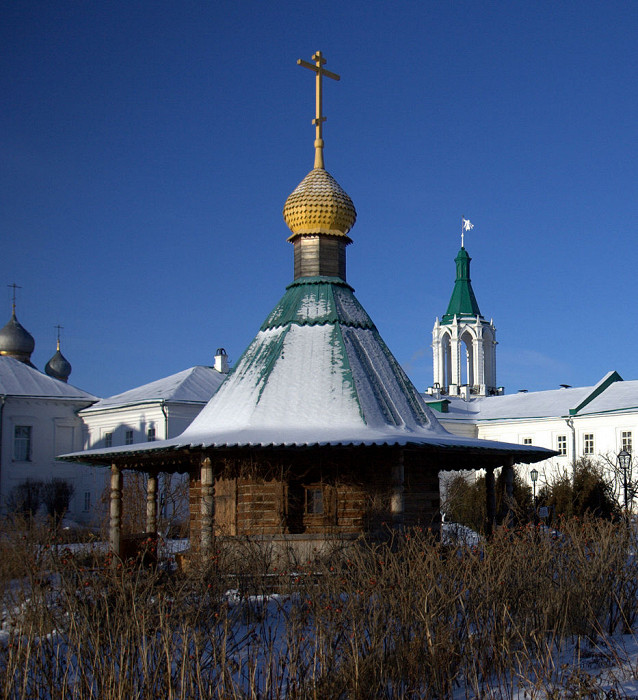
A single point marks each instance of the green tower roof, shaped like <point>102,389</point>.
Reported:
<point>463,302</point>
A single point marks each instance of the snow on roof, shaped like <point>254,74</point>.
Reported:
<point>611,393</point>
<point>619,396</point>
<point>19,379</point>
<point>533,404</point>
<point>317,373</point>
<point>194,385</point>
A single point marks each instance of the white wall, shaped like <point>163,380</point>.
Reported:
<point>55,429</point>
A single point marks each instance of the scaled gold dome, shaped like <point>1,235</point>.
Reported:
<point>319,205</point>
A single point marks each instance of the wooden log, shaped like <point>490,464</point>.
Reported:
<point>115,511</point>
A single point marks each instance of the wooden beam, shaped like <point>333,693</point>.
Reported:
<point>115,524</point>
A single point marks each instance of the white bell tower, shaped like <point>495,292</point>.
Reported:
<point>464,343</point>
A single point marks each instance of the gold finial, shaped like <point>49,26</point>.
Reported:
<point>58,328</point>
<point>319,118</point>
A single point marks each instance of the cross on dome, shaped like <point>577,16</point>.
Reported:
<point>58,328</point>
<point>320,71</point>
<point>14,286</point>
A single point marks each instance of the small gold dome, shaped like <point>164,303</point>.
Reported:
<point>319,205</point>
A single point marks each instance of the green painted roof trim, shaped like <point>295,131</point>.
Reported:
<point>463,301</point>
<point>311,301</point>
<point>603,384</point>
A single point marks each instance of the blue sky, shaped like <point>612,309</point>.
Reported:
<point>148,149</point>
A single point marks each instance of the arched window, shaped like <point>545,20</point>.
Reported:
<point>466,349</point>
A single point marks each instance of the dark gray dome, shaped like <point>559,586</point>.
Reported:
<point>58,367</point>
<point>16,341</point>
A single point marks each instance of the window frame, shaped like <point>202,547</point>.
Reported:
<point>19,454</point>
<point>588,444</point>
<point>314,501</point>
<point>561,445</point>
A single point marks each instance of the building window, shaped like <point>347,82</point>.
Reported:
<point>588,444</point>
<point>22,443</point>
<point>128,437</point>
<point>561,444</point>
<point>625,440</point>
<point>150,435</point>
<point>314,500</point>
<point>108,439</point>
<point>527,441</point>
<point>87,501</point>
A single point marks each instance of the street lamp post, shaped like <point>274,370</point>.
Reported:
<point>533,475</point>
<point>624,462</point>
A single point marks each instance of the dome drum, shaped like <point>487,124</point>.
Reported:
<point>320,256</point>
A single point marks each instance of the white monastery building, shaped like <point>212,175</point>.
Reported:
<point>43,416</point>
<point>39,420</point>
<point>594,421</point>
<point>156,411</point>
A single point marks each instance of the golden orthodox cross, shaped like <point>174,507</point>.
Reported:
<point>320,71</point>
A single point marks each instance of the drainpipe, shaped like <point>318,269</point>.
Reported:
<point>163,407</point>
<point>161,487</point>
<point>570,425</point>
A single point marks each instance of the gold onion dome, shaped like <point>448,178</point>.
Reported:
<point>319,205</point>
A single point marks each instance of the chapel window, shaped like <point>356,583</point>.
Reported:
<point>128,437</point>
<point>588,444</point>
<point>625,440</point>
<point>314,500</point>
<point>22,443</point>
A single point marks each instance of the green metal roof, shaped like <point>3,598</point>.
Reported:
<point>463,302</point>
<point>311,301</point>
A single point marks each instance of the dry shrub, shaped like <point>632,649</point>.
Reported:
<point>408,618</point>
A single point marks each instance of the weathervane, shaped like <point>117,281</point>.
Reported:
<point>319,118</point>
<point>466,225</point>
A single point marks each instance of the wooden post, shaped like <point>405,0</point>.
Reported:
<point>151,504</point>
<point>508,495</point>
<point>490,496</point>
<point>397,501</point>
<point>207,511</point>
<point>115,529</point>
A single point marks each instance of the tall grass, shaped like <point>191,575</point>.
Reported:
<point>408,618</point>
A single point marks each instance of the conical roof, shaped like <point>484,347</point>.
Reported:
<point>317,372</point>
<point>463,301</point>
<point>16,341</point>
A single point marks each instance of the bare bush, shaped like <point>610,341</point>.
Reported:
<point>406,618</point>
